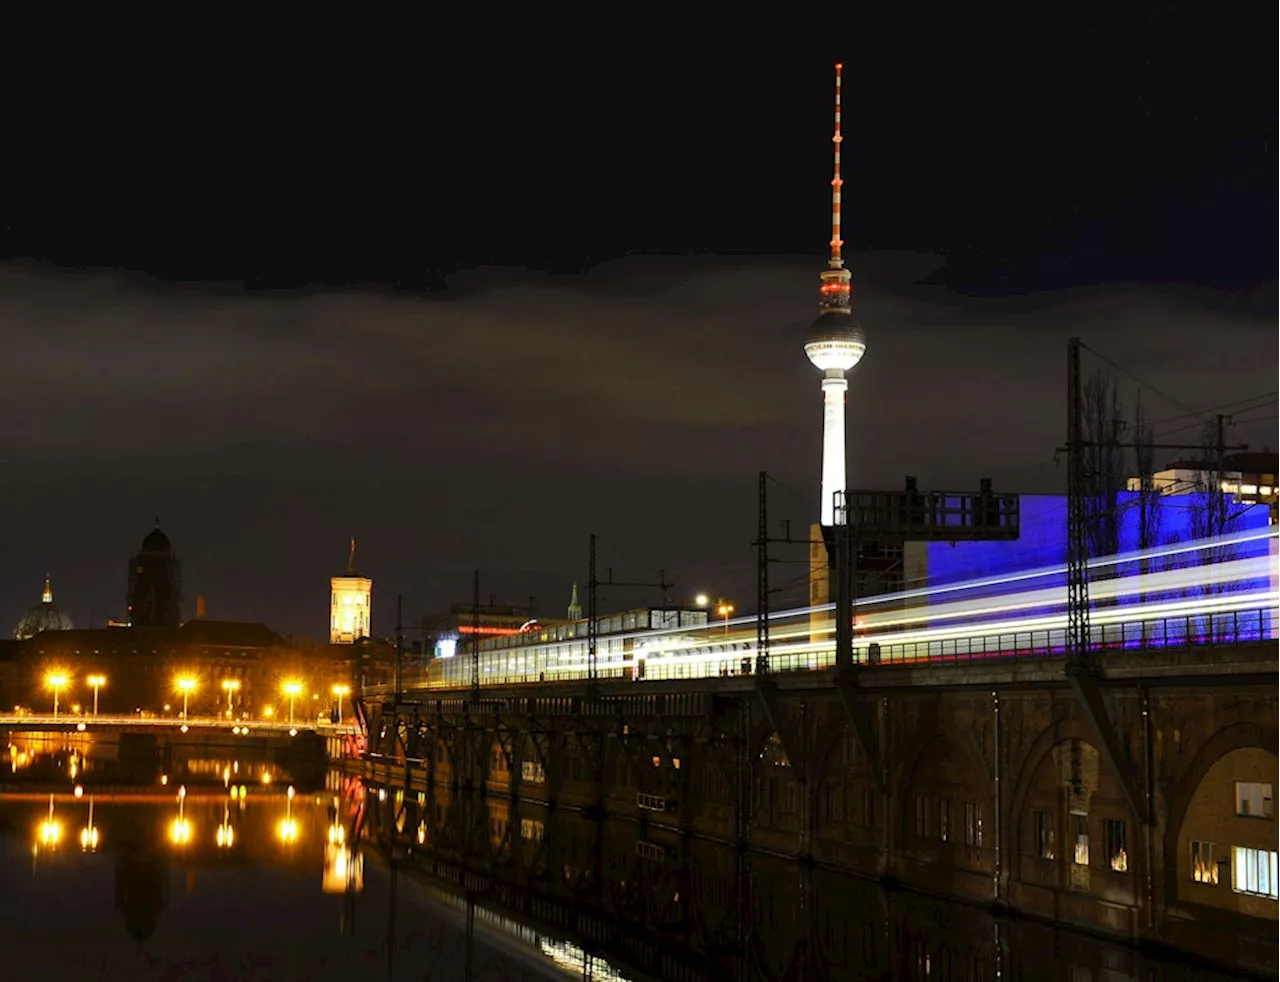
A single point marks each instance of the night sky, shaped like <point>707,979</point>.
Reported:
<point>472,302</point>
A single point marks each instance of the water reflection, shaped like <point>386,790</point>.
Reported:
<point>226,878</point>
<point>611,899</point>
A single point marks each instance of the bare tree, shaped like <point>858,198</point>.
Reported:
<point>1211,514</point>
<point>1103,466</point>
<point>1149,513</point>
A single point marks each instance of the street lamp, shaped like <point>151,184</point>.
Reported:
<point>230,686</point>
<point>57,681</point>
<point>292,690</point>
<point>186,686</point>
<point>724,610</point>
<point>97,682</point>
<point>701,600</point>
<point>340,691</point>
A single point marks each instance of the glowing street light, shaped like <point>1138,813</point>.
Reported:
<point>230,687</point>
<point>57,681</point>
<point>340,691</point>
<point>292,690</point>
<point>186,686</point>
<point>724,610</point>
<point>701,600</point>
<point>96,682</point>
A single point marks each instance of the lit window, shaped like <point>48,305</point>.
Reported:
<point>944,819</point>
<point>1253,799</point>
<point>1203,868</point>
<point>1253,871</point>
<point>973,824</point>
<point>1044,836</point>
<point>1080,831</point>
<point>1113,838</point>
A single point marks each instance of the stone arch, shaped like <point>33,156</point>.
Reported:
<point>1060,731</point>
<point>775,788</point>
<point>1098,800</point>
<point>923,741</point>
<point>1234,736</point>
<point>929,784</point>
<point>842,778</point>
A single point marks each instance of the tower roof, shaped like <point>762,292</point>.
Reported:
<point>44,616</point>
<point>156,542</point>
<point>351,560</point>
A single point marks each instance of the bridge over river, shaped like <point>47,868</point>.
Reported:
<point>1137,802</point>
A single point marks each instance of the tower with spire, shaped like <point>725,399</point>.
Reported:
<point>350,615</point>
<point>575,605</point>
<point>835,343</point>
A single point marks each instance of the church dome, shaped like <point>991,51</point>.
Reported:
<point>44,616</point>
<point>157,542</point>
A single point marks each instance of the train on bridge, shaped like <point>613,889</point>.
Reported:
<point>1215,591</point>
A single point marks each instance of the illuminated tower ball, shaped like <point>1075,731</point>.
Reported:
<point>834,345</point>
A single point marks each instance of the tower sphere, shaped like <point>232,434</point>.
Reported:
<point>835,342</point>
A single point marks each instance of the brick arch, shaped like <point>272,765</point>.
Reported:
<point>1233,736</point>
<point>1070,728</point>
<point>904,784</point>
<point>901,780</point>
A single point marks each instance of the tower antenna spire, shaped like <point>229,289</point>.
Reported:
<point>834,343</point>
<point>837,244</point>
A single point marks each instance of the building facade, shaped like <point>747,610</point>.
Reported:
<point>350,600</point>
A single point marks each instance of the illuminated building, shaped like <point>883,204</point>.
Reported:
<point>449,633</point>
<point>44,616</point>
<point>155,583</point>
<point>350,617</point>
<point>835,344</point>
<point>1249,478</point>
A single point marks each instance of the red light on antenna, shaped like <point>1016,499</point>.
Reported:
<point>839,66</point>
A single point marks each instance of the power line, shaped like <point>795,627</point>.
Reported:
<point>1270,397</point>
<point>1156,389</point>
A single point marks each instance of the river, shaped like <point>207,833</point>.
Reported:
<point>227,870</point>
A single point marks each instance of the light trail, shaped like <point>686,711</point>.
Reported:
<point>1205,592</point>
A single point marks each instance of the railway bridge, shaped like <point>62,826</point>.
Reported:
<point>1144,812</point>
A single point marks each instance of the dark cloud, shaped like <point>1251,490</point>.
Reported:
<point>498,425</point>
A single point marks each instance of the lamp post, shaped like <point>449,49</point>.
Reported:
<point>292,690</point>
<point>724,610</point>
<point>96,682</point>
<point>340,691</point>
<point>186,686</point>
<point>230,687</point>
<point>57,681</point>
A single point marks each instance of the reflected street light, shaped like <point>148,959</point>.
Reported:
<point>57,681</point>
<point>230,686</point>
<point>292,690</point>
<point>340,691</point>
<point>186,686</point>
<point>97,682</point>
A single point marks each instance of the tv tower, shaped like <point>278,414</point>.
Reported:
<point>835,344</point>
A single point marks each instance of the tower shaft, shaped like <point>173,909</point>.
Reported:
<point>834,387</point>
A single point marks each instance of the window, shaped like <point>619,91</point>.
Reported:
<point>1203,868</point>
<point>1253,799</point>
<point>944,819</point>
<point>922,816</point>
<point>1080,832</point>
<point>868,808</point>
<point>1044,836</point>
<point>1253,871</point>
<point>1113,839</point>
<point>973,824</point>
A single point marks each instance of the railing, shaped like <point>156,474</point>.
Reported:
<point>83,722</point>
<point>1193,630</point>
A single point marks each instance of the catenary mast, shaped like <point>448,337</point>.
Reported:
<point>835,343</point>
